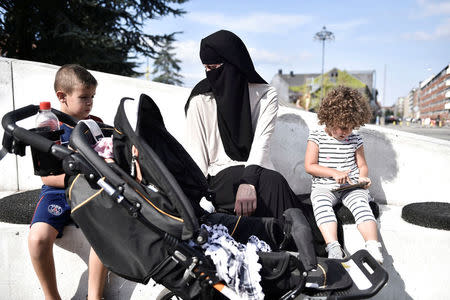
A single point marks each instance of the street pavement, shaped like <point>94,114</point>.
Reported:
<point>442,133</point>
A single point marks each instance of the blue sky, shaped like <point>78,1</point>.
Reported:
<point>408,39</point>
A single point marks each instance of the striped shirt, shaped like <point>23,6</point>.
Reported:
<point>335,154</point>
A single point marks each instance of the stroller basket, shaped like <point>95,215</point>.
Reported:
<point>151,229</point>
<point>44,163</point>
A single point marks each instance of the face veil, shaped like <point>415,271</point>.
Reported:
<point>229,85</point>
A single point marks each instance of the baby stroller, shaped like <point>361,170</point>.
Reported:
<point>152,229</point>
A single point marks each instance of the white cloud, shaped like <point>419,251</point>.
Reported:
<point>305,55</point>
<point>264,56</point>
<point>258,22</point>
<point>346,30</point>
<point>348,25</point>
<point>267,57</point>
<point>188,51</point>
<point>367,38</point>
<point>441,32</point>
<point>191,66</point>
<point>429,8</point>
<point>190,79</point>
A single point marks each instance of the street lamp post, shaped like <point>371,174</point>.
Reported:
<point>323,36</point>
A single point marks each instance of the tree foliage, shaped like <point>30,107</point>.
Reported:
<point>166,65</point>
<point>388,112</point>
<point>100,35</point>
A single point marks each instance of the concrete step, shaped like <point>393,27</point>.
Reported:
<point>416,259</point>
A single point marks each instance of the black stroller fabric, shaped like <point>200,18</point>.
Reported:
<point>119,240</point>
<point>128,242</point>
<point>150,128</point>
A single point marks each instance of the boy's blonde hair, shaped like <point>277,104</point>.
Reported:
<point>344,107</point>
<point>70,75</point>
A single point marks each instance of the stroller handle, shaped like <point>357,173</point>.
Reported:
<point>30,138</point>
<point>9,120</point>
<point>25,136</point>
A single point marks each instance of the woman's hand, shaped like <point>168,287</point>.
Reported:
<point>366,180</point>
<point>245,203</point>
<point>341,177</point>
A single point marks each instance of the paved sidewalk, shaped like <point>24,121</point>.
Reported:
<point>415,257</point>
<point>435,132</point>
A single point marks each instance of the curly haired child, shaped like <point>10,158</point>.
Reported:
<point>334,157</point>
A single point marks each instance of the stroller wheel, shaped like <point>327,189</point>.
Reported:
<point>167,294</point>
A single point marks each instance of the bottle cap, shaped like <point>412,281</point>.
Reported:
<point>44,105</point>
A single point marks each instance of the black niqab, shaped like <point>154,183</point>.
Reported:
<point>229,84</point>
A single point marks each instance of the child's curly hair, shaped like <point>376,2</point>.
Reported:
<point>344,107</point>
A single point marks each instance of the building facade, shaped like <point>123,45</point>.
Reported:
<point>283,81</point>
<point>416,109</point>
<point>434,98</point>
<point>399,107</point>
<point>306,88</point>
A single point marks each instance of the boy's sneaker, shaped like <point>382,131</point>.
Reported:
<point>374,248</point>
<point>334,250</point>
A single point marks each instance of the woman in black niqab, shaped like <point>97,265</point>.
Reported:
<point>250,187</point>
<point>229,84</point>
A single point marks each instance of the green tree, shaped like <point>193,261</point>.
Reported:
<point>167,66</point>
<point>388,112</point>
<point>100,35</point>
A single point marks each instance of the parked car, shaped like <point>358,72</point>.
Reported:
<point>391,119</point>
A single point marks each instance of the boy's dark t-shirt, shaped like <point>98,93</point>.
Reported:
<point>65,137</point>
<point>52,207</point>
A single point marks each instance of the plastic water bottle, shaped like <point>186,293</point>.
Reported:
<point>47,122</point>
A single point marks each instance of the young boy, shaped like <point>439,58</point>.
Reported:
<point>335,156</point>
<point>75,88</point>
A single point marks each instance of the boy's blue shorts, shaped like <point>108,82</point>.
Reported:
<point>52,209</point>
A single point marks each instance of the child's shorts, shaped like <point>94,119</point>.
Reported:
<point>52,209</point>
